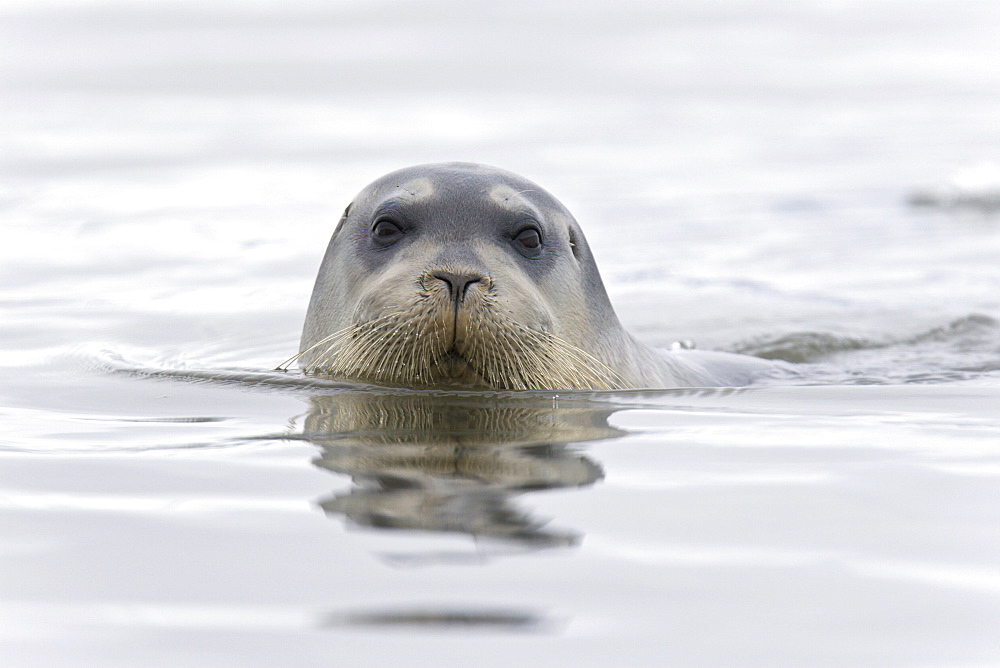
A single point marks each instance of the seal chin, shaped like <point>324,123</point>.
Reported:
<point>457,371</point>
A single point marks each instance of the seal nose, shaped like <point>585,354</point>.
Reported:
<point>458,281</point>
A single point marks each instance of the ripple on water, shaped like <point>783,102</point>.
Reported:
<point>964,349</point>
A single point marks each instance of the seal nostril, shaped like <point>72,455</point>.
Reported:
<point>458,282</point>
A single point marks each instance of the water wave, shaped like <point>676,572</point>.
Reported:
<point>974,332</point>
<point>976,187</point>
<point>965,349</point>
<point>961,350</point>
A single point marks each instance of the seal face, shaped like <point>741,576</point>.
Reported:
<point>462,275</point>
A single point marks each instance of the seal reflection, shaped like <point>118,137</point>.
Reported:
<point>454,462</point>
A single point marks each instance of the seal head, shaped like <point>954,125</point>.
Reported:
<point>461,275</point>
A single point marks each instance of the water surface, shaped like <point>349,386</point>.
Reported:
<point>811,183</point>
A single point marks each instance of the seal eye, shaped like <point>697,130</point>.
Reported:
<point>386,232</point>
<point>528,241</point>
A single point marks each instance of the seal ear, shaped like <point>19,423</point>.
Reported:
<point>343,218</point>
<point>574,243</point>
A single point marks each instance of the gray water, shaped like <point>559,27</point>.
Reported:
<point>815,182</point>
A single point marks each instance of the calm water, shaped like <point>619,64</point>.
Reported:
<point>816,183</point>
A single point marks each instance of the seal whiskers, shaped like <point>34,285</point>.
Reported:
<point>501,355</point>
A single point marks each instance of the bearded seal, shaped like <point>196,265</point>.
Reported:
<point>460,275</point>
